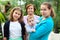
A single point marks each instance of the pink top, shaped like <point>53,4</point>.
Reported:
<point>35,19</point>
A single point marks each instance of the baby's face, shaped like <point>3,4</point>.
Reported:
<point>31,22</point>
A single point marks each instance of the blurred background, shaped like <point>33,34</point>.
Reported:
<point>7,5</point>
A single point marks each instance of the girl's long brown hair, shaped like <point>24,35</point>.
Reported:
<point>52,14</point>
<point>11,14</point>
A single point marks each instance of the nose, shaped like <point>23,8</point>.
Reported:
<point>42,11</point>
<point>16,15</point>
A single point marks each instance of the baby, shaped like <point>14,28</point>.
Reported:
<point>30,27</point>
<point>30,24</point>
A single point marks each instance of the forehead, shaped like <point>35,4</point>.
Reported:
<point>43,6</point>
<point>31,6</point>
<point>30,19</point>
<point>18,11</point>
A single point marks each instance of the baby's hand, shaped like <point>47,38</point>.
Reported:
<point>33,30</point>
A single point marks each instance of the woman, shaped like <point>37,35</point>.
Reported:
<point>46,23</point>
<point>30,9</point>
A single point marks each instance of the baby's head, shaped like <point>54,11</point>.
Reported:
<point>30,20</point>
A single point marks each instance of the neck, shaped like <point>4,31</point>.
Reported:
<point>43,18</point>
<point>15,20</point>
<point>31,15</point>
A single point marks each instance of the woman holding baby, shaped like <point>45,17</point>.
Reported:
<point>46,24</point>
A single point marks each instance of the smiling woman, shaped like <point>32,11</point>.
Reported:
<point>30,9</point>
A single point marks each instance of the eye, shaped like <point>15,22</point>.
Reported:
<point>44,9</point>
<point>28,8</point>
<point>41,9</point>
<point>32,20</point>
<point>31,8</point>
<point>15,12</point>
<point>19,14</point>
<point>29,21</point>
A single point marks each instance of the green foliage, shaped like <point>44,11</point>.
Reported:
<point>3,2</point>
<point>2,18</point>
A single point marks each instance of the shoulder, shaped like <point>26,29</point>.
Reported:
<point>6,23</point>
<point>40,18</point>
<point>50,22</point>
<point>36,16</point>
<point>22,24</point>
<point>47,21</point>
<point>24,16</point>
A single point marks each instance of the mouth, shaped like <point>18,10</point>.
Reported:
<point>44,13</point>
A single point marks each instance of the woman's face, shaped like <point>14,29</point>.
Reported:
<point>45,11</point>
<point>30,10</point>
<point>16,15</point>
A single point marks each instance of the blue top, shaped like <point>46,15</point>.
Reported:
<point>42,29</point>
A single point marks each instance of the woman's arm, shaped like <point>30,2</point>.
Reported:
<point>4,38</point>
<point>42,30</point>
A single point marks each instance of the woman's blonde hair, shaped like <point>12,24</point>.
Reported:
<point>11,14</point>
<point>52,14</point>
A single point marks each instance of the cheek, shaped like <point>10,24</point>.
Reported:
<point>32,21</point>
<point>41,12</point>
<point>45,12</point>
<point>27,10</point>
<point>32,10</point>
<point>29,23</point>
<point>19,16</point>
<point>48,12</point>
<point>13,15</point>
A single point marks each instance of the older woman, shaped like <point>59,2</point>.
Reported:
<point>30,9</point>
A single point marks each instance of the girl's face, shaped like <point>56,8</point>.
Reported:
<point>16,15</point>
<point>45,11</point>
<point>30,10</point>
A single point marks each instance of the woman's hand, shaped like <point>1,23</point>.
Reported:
<point>4,38</point>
